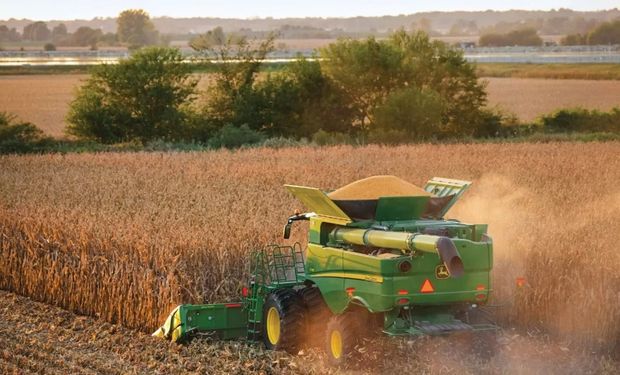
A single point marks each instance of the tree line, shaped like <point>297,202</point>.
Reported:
<point>134,29</point>
<point>405,87</point>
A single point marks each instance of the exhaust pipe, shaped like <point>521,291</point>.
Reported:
<point>450,256</point>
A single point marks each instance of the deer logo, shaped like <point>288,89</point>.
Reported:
<point>441,272</point>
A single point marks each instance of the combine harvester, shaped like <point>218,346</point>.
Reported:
<point>380,256</point>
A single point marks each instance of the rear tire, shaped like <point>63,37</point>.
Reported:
<point>317,315</point>
<point>283,321</point>
<point>341,337</point>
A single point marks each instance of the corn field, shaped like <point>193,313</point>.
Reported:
<point>127,236</point>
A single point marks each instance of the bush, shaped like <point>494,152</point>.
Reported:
<point>582,120</point>
<point>19,137</point>
<point>522,37</point>
<point>143,98</point>
<point>410,113</point>
<point>49,47</point>
<point>230,136</point>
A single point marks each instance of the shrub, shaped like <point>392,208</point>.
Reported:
<point>230,136</point>
<point>582,120</point>
<point>49,47</point>
<point>325,138</point>
<point>18,137</point>
<point>142,98</point>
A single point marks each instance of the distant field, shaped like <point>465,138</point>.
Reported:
<point>44,99</point>
<point>555,71</point>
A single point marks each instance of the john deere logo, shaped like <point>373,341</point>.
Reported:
<point>441,272</point>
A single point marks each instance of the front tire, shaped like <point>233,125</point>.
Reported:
<point>283,321</point>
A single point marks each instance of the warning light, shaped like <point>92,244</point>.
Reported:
<point>350,291</point>
<point>520,282</point>
<point>245,291</point>
<point>403,301</point>
<point>480,287</point>
<point>427,287</point>
<point>480,297</point>
<point>403,292</point>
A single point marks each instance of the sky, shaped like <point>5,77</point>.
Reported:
<point>79,9</point>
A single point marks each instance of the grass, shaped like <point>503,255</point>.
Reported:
<point>126,236</point>
<point>554,71</point>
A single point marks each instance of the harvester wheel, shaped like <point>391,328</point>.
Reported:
<point>317,315</point>
<point>342,335</point>
<point>283,321</point>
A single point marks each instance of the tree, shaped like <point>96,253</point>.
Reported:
<point>134,28</point>
<point>521,37</point>
<point>233,98</point>
<point>9,35</point>
<point>416,113</point>
<point>37,32</point>
<point>145,97</point>
<point>605,33</point>
<point>85,36</point>
<point>59,33</point>
<point>369,72</point>
<point>365,70</point>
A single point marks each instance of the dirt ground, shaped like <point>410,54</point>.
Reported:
<point>38,338</point>
<point>44,99</point>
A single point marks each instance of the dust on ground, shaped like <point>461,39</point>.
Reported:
<point>38,338</point>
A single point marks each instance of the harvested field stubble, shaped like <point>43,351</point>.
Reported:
<point>127,236</point>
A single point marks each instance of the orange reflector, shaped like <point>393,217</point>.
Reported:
<point>480,287</point>
<point>427,287</point>
<point>232,305</point>
<point>350,291</point>
<point>403,301</point>
<point>520,282</point>
<point>403,292</point>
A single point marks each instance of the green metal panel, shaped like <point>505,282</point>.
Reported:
<point>318,202</point>
<point>228,320</point>
<point>400,208</point>
<point>441,187</point>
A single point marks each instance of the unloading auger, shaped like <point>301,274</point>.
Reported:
<point>380,256</point>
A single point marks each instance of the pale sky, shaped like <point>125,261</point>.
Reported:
<point>79,9</point>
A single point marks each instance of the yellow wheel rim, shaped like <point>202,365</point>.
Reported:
<point>273,325</point>
<point>335,341</point>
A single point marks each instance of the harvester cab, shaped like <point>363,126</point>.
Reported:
<point>380,255</point>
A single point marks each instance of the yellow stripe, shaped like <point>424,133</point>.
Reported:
<point>356,276</point>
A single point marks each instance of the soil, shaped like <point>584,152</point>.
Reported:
<point>39,338</point>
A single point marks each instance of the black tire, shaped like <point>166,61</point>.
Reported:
<point>317,315</point>
<point>288,313</point>
<point>345,329</point>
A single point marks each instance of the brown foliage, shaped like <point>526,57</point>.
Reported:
<point>128,236</point>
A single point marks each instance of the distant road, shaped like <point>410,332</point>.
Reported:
<point>514,55</point>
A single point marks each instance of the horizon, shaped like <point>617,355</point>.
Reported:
<point>245,10</point>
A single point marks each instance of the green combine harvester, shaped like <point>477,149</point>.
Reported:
<point>380,256</point>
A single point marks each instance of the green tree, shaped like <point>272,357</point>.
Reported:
<point>134,28</point>
<point>605,33</point>
<point>416,113</point>
<point>365,70</point>
<point>521,37</point>
<point>145,97</point>
<point>16,137</point>
<point>233,97</point>
<point>369,71</point>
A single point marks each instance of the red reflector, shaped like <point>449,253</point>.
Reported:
<point>480,287</point>
<point>403,301</point>
<point>232,305</point>
<point>480,296</point>
<point>403,292</point>
<point>427,287</point>
<point>350,291</point>
<point>520,282</point>
<point>245,291</point>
